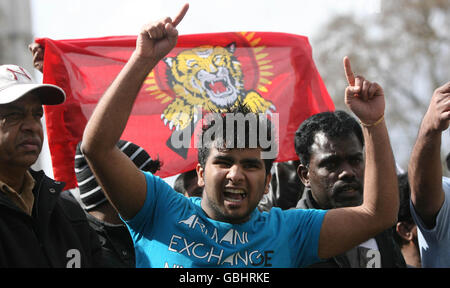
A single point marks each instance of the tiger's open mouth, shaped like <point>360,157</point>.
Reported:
<point>218,88</point>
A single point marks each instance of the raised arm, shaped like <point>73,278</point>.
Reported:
<point>123,183</point>
<point>425,168</point>
<point>344,228</point>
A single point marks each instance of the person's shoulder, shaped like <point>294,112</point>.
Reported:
<point>305,211</point>
<point>70,206</point>
<point>446,184</point>
<point>303,217</point>
<point>66,195</point>
<point>162,195</point>
<point>64,198</point>
<point>293,214</point>
<point>155,180</point>
<point>40,177</point>
<point>446,189</point>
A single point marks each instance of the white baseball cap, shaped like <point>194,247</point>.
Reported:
<point>15,82</point>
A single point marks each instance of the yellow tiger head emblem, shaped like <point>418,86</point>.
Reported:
<point>209,77</point>
<point>207,72</point>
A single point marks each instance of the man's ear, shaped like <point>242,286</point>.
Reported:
<point>200,173</point>
<point>404,230</point>
<point>268,180</point>
<point>302,172</point>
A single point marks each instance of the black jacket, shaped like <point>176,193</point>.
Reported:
<point>116,242</point>
<point>391,255</point>
<point>56,235</point>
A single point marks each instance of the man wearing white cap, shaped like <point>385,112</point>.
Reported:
<point>38,228</point>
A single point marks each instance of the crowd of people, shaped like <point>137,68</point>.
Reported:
<point>341,204</point>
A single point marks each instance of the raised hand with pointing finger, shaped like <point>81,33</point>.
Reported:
<point>108,121</point>
<point>158,38</point>
<point>364,98</point>
<point>380,205</point>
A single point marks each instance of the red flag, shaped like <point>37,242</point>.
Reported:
<point>273,72</point>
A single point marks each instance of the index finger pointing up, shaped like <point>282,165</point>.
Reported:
<point>349,72</point>
<point>180,15</point>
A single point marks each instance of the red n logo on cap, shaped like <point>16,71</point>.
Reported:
<point>21,72</point>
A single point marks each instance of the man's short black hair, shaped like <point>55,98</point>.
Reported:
<point>219,141</point>
<point>337,124</point>
<point>404,213</point>
<point>182,181</point>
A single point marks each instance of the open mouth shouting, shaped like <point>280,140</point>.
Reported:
<point>234,196</point>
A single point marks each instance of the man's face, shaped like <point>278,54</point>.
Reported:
<point>336,171</point>
<point>234,182</point>
<point>21,134</point>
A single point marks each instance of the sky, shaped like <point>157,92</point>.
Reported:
<point>94,18</point>
<point>72,19</point>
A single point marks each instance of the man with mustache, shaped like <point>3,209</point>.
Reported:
<point>38,228</point>
<point>330,147</point>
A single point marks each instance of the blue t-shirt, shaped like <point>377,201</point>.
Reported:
<point>434,243</point>
<point>173,231</point>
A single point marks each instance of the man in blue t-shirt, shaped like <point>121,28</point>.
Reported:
<point>430,192</point>
<point>224,227</point>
